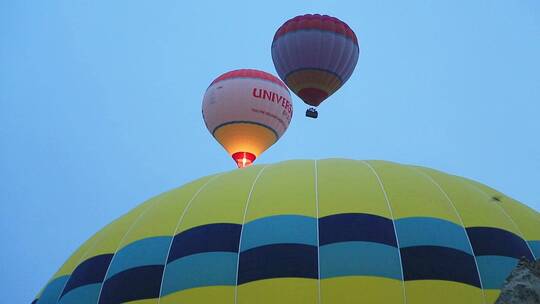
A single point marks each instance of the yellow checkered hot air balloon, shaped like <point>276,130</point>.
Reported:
<point>330,231</point>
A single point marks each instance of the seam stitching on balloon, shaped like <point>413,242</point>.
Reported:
<point>430,178</point>
<point>521,235</point>
<point>387,200</point>
<point>332,55</point>
<point>120,243</point>
<point>318,242</point>
<point>82,259</point>
<point>242,231</point>
<point>188,205</point>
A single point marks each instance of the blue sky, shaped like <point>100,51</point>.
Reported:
<point>100,104</point>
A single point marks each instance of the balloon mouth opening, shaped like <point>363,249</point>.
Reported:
<point>244,159</point>
<point>312,96</point>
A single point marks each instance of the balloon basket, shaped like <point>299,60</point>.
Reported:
<point>312,113</point>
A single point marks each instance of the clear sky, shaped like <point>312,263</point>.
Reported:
<point>100,104</point>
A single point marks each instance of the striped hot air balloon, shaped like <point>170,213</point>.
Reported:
<point>330,231</point>
<point>314,55</point>
<point>247,111</point>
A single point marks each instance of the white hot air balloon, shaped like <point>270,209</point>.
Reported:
<point>247,111</point>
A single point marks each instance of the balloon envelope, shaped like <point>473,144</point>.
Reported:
<point>247,111</point>
<point>343,230</point>
<point>315,55</point>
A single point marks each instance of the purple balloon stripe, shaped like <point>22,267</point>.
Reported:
<point>339,55</point>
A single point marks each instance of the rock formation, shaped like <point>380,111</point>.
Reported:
<point>522,285</point>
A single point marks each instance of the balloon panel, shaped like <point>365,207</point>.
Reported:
<point>343,230</point>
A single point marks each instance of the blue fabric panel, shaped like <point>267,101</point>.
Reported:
<point>149,251</point>
<point>206,238</point>
<point>133,284</point>
<point>535,246</point>
<point>52,292</point>
<point>439,263</point>
<point>278,261</point>
<point>495,241</point>
<point>90,271</point>
<point>279,229</point>
<point>203,269</point>
<point>356,227</point>
<point>87,294</point>
<point>359,259</point>
<point>428,231</point>
<point>494,269</point>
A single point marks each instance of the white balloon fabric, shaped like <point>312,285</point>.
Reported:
<point>247,111</point>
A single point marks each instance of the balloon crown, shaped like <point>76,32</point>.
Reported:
<point>316,21</point>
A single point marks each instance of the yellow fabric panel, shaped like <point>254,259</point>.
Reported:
<point>491,295</point>
<point>161,219</point>
<point>356,289</point>
<point>526,219</point>
<point>282,290</point>
<point>210,294</point>
<point>442,292</point>
<point>74,260</point>
<point>313,79</point>
<point>223,200</point>
<point>475,208</point>
<point>349,186</point>
<point>115,231</point>
<point>284,188</point>
<point>245,137</point>
<point>411,194</point>
<point>88,248</point>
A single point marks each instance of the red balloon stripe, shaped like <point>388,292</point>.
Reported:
<point>249,73</point>
<point>317,22</point>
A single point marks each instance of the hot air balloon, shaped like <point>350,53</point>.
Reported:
<point>247,111</point>
<point>314,55</point>
<point>328,231</point>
